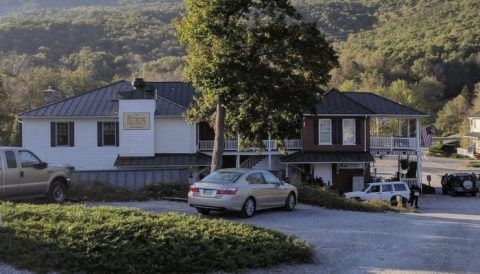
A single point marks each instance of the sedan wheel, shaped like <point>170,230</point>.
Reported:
<point>290,202</point>
<point>248,208</point>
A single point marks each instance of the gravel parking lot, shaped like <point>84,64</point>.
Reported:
<point>443,238</point>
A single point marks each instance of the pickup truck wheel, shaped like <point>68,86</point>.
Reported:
<point>57,192</point>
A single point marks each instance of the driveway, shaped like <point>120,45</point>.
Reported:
<point>444,237</point>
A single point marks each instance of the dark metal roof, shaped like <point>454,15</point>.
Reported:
<point>329,157</point>
<point>382,106</point>
<point>173,99</point>
<point>362,103</point>
<point>335,102</point>
<point>473,134</point>
<point>165,160</point>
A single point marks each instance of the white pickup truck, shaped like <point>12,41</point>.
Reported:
<point>23,175</point>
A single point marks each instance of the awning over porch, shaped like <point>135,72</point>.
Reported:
<point>165,160</point>
<point>311,157</point>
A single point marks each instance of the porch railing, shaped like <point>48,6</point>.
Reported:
<point>232,145</point>
<point>409,181</point>
<point>392,142</point>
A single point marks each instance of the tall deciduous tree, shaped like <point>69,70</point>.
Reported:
<point>257,64</point>
<point>450,117</point>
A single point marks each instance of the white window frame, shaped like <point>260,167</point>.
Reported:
<point>354,132</point>
<point>114,133</point>
<point>320,132</point>
<point>68,134</point>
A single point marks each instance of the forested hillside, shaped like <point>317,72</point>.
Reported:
<point>418,52</point>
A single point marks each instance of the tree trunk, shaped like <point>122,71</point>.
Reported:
<point>217,153</point>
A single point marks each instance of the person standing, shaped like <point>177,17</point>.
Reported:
<point>415,192</point>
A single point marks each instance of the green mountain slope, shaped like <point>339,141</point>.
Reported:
<point>418,52</point>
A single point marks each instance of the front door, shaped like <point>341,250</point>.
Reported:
<point>323,171</point>
<point>34,180</point>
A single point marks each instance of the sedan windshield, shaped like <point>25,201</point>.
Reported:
<point>223,177</point>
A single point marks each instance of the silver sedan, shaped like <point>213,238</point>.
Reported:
<point>243,190</point>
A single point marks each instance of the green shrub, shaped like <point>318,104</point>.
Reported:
<point>319,196</point>
<point>107,192</point>
<point>474,164</point>
<point>46,238</point>
<point>442,150</point>
<point>426,189</point>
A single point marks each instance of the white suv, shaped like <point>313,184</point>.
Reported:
<point>387,191</point>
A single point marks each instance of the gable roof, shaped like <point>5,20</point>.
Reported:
<point>173,99</point>
<point>362,103</point>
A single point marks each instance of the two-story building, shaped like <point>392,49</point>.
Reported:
<point>473,136</point>
<point>337,141</point>
<point>140,126</point>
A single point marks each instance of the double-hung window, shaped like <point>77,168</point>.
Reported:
<point>348,132</point>
<point>107,134</point>
<point>325,131</point>
<point>62,134</point>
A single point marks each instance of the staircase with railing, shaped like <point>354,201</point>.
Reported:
<point>252,161</point>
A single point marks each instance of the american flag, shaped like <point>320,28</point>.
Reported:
<point>427,136</point>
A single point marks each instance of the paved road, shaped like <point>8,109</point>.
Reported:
<point>443,238</point>
<point>434,166</point>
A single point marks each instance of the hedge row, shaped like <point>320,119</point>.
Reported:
<point>46,238</point>
<point>320,196</point>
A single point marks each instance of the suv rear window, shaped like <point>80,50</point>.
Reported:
<point>400,187</point>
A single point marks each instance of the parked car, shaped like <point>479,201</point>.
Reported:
<point>242,190</point>
<point>387,191</point>
<point>459,183</point>
<point>23,175</point>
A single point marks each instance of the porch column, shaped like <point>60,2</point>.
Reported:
<point>269,153</point>
<point>286,170</point>
<point>419,154</point>
<point>237,162</point>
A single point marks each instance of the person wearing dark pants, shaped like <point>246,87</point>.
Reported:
<point>415,193</point>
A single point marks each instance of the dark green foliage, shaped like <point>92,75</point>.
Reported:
<point>107,192</point>
<point>426,189</point>
<point>71,239</point>
<point>319,196</point>
<point>442,150</point>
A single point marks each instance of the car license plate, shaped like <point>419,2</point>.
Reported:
<point>208,192</point>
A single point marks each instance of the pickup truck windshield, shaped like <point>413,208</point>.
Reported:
<point>223,177</point>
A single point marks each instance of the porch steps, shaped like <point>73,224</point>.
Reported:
<point>252,161</point>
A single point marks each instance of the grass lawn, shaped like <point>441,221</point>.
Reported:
<point>319,196</point>
<point>68,239</point>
